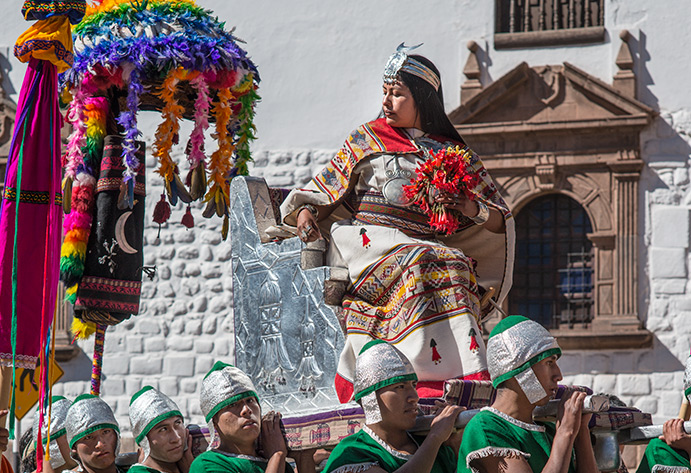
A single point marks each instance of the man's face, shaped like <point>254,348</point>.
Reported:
<point>398,405</point>
<point>549,375</point>
<point>167,440</point>
<point>240,422</point>
<point>97,450</point>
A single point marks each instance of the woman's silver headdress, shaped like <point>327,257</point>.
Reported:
<point>399,61</point>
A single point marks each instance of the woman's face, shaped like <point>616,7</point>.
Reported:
<point>399,106</point>
<point>549,375</point>
<point>398,405</point>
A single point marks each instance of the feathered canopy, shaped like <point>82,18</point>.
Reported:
<point>176,58</point>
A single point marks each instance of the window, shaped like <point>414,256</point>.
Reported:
<point>523,23</point>
<point>553,271</point>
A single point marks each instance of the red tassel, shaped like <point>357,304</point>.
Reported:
<point>161,213</point>
<point>188,219</point>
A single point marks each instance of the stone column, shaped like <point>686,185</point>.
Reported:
<point>626,173</point>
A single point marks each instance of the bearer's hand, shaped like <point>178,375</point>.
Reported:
<point>184,463</point>
<point>443,424</point>
<point>4,433</point>
<point>570,416</point>
<point>674,435</point>
<point>458,202</point>
<point>272,440</point>
<point>308,230</point>
<point>454,440</point>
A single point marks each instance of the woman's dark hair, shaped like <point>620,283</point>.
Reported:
<point>429,102</point>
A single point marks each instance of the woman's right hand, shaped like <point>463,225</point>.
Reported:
<point>308,230</point>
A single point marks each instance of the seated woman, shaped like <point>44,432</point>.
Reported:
<point>522,358</point>
<point>409,286</point>
<point>385,387</point>
<point>670,453</point>
<point>247,443</point>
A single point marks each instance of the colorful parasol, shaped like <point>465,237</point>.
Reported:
<point>30,216</point>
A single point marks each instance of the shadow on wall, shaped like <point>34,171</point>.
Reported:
<point>658,359</point>
<point>5,68</point>
<point>77,369</point>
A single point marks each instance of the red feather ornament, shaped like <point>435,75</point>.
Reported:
<point>161,213</point>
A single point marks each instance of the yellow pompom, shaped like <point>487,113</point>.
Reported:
<point>82,330</point>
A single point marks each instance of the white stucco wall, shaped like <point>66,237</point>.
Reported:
<point>321,64</point>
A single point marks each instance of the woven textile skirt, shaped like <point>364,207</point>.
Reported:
<point>419,295</point>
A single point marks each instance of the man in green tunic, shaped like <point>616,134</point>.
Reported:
<point>522,361</point>
<point>158,428</point>
<point>385,388</point>
<point>671,452</point>
<point>230,405</point>
<point>93,434</point>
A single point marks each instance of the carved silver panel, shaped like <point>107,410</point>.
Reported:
<point>286,338</point>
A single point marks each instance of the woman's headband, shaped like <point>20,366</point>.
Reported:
<point>399,61</point>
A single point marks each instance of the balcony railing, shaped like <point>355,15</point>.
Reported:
<point>522,23</point>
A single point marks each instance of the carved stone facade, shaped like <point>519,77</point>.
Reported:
<point>557,129</point>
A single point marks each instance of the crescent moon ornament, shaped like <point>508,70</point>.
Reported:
<point>120,234</point>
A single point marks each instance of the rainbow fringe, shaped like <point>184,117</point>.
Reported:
<point>77,224</point>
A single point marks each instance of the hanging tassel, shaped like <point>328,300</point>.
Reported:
<point>188,219</point>
<point>224,229</point>
<point>81,329</point>
<point>161,213</point>
<point>473,341</point>
<point>98,360</point>
<point>67,194</point>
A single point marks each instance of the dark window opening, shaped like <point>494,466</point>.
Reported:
<point>520,16</point>
<point>553,272</point>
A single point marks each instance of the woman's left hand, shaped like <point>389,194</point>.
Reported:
<point>458,202</point>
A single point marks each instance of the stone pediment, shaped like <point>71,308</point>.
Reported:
<point>548,99</point>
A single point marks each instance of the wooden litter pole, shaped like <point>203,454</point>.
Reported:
<point>5,386</point>
<point>684,410</point>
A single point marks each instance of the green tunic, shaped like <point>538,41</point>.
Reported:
<point>139,468</point>
<point>494,434</point>
<point>659,453</point>
<point>365,449</point>
<point>215,461</point>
